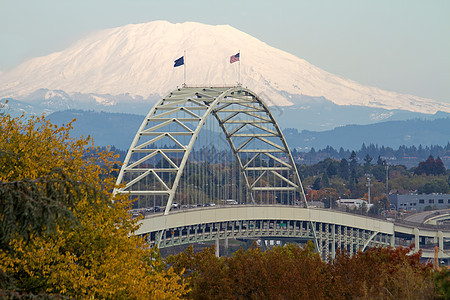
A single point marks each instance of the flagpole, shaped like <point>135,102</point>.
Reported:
<point>184,84</point>
<point>239,81</point>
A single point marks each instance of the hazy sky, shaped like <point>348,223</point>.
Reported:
<point>402,46</point>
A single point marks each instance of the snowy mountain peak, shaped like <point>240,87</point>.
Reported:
<point>137,60</point>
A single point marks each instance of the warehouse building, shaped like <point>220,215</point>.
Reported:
<point>420,202</point>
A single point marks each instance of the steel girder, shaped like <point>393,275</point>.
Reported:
<point>250,129</point>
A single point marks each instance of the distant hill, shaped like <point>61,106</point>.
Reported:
<point>319,114</point>
<point>390,133</point>
<point>306,113</point>
<point>119,129</point>
<point>106,128</point>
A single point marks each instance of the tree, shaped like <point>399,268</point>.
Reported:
<point>332,168</point>
<point>31,208</point>
<point>381,273</point>
<point>325,181</point>
<point>430,167</point>
<point>380,161</point>
<point>434,186</point>
<point>353,171</point>
<point>294,272</point>
<point>294,152</point>
<point>442,283</point>
<point>317,185</point>
<point>439,167</point>
<point>379,204</point>
<point>65,236</point>
<point>375,209</point>
<point>384,201</point>
<point>344,171</point>
<point>329,196</point>
<point>353,161</point>
<point>288,272</point>
<point>367,163</point>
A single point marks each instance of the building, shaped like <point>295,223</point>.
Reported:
<point>420,202</point>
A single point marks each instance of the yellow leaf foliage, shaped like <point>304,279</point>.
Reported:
<point>100,258</point>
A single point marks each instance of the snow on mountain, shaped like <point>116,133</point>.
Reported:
<point>103,100</point>
<point>137,60</point>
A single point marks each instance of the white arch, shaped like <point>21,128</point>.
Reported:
<point>212,101</point>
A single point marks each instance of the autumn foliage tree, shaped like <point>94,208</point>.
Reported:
<point>289,272</point>
<point>294,272</point>
<point>61,233</point>
<point>381,273</point>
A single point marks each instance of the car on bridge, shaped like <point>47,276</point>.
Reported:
<point>229,202</point>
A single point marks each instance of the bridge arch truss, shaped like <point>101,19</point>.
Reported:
<point>207,145</point>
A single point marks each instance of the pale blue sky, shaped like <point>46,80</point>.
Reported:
<point>402,46</point>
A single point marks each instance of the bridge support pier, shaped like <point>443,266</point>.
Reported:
<point>441,240</point>
<point>416,239</point>
<point>333,245</point>
<point>217,247</point>
<point>226,245</point>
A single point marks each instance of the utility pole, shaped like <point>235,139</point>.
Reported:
<point>369,177</point>
<point>329,199</point>
<point>387,178</point>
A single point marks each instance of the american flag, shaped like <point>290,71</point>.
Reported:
<point>234,58</point>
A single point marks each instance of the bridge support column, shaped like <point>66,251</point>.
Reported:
<point>441,240</point>
<point>159,237</point>
<point>416,239</point>
<point>226,244</point>
<point>327,241</point>
<point>217,247</point>
<point>333,241</point>
<point>392,241</point>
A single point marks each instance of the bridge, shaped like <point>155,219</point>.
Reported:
<point>211,163</point>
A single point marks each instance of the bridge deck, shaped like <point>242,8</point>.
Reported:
<point>329,228</point>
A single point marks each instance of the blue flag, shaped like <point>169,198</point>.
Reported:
<point>179,62</point>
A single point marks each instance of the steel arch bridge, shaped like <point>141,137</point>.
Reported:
<point>241,153</point>
<point>201,147</point>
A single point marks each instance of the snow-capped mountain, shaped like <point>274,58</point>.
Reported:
<point>135,62</point>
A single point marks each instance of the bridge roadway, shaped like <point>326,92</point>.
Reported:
<point>429,217</point>
<point>329,229</point>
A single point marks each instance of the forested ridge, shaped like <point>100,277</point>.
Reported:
<point>403,155</point>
